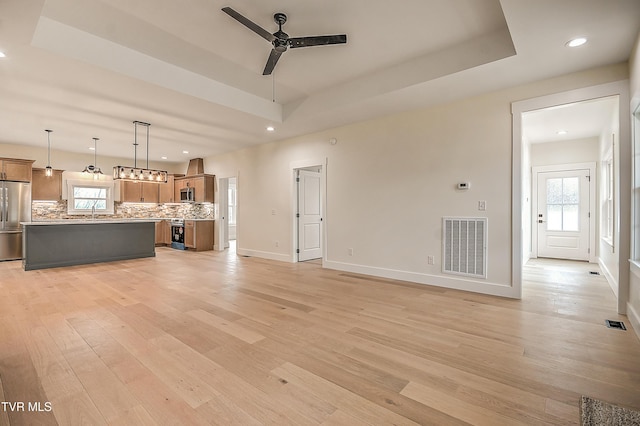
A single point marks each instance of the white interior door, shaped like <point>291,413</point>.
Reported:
<point>563,217</point>
<point>309,215</point>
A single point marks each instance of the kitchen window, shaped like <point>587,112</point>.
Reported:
<point>85,196</point>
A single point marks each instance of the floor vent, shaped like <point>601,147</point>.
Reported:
<point>594,272</point>
<point>615,324</point>
<point>464,246</point>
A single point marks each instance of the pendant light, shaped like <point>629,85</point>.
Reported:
<point>136,173</point>
<point>48,171</point>
<point>93,168</point>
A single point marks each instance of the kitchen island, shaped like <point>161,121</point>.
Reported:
<point>50,244</point>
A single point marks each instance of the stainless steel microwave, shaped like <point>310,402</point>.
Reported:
<point>187,195</point>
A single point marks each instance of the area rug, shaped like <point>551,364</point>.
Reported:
<point>594,412</point>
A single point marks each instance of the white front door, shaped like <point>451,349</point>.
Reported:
<point>309,215</point>
<point>563,217</point>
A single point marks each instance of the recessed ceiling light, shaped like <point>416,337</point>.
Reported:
<point>185,152</point>
<point>92,148</point>
<point>578,41</point>
<point>270,128</point>
<point>2,55</point>
<point>561,132</point>
<point>164,157</point>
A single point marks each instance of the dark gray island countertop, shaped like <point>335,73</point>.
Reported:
<point>50,244</point>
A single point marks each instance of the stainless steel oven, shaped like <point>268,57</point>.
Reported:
<point>177,234</point>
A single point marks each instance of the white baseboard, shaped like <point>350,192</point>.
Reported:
<point>264,254</point>
<point>476,286</point>
<point>634,319</point>
<point>613,283</point>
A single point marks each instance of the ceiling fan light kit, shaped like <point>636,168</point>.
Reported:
<point>281,40</point>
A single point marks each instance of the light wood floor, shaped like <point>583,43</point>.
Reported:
<point>210,338</point>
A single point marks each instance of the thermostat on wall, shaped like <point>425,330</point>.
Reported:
<point>464,185</point>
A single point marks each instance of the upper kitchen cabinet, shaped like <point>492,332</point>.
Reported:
<point>15,170</point>
<point>139,192</point>
<point>46,188</point>
<point>203,186</point>
<point>167,192</point>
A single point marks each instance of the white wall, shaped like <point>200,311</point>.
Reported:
<point>391,180</point>
<point>634,71</point>
<point>608,251</point>
<point>633,306</point>
<point>527,201</point>
<point>565,152</point>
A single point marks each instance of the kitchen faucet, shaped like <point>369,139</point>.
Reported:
<point>93,210</point>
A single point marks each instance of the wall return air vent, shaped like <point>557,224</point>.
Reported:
<point>464,246</point>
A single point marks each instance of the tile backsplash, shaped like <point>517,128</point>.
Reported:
<point>58,210</point>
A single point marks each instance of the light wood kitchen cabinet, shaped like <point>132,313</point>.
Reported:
<point>167,191</point>
<point>163,233</point>
<point>189,234</point>
<point>198,234</point>
<point>203,186</point>
<point>15,170</point>
<point>139,192</point>
<point>46,188</point>
<point>166,224</point>
<point>160,232</point>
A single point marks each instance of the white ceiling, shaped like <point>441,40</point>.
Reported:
<point>580,120</point>
<point>89,68</point>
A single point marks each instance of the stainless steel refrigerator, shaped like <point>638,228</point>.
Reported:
<point>15,207</point>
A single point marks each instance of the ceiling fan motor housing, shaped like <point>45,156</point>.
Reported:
<point>281,42</point>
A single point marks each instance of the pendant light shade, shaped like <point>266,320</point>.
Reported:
<point>48,171</point>
<point>136,173</point>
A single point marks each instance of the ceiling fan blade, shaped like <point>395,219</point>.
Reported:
<point>317,40</point>
<point>249,24</point>
<point>271,62</point>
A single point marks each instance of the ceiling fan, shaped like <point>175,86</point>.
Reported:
<point>281,40</point>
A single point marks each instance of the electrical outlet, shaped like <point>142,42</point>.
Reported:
<point>350,251</point>
<point>482,205</point>
<point>277,243</point>
<point>273,212</point>
<point>430,260</point>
